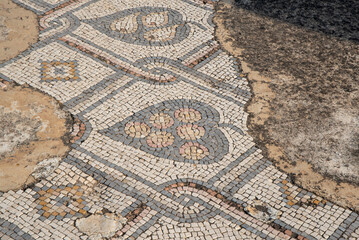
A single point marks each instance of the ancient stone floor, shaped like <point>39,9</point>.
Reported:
<point>161,148</point>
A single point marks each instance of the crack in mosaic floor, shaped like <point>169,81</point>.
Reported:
<point>160,135</point>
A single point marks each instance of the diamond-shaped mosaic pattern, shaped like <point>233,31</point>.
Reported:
<point>59,71</point>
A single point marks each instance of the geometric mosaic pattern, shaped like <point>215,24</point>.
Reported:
<point>59,71</point>
<point>161,136</point>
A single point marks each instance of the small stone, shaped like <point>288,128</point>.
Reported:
<point>262,211</point>
<point>100,226</point>
<point>3,86</point>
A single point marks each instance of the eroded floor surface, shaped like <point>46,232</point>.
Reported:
<point>163,150</point>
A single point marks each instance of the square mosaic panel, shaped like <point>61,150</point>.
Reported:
<point>59,71</point>
<point>56,69</point>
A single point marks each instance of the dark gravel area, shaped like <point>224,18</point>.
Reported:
<point>334,18</point>
<point>310,50</point>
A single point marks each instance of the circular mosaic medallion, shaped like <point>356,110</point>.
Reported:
<point>161,120</point>
<point>137,129</point>
<point>193,151</point>
<point>188,115</point>
<point>160,139</point>
<point>190,132</point>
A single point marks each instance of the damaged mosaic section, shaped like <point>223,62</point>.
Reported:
<point>161,148</point>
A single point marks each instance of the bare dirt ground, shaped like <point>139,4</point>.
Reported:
<point>18,29</point>
<point>302,60</point>
<point>32,125</point>
<point>33,128</point>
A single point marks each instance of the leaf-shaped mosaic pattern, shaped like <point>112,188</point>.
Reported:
<point>144,26</point>
<point>180,130</point>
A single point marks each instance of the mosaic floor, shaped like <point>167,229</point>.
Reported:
<point>161,138</point>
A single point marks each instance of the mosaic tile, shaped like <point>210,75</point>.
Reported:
<point>159,136</point>
<point>59,71</point>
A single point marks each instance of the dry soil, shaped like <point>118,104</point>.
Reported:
<point>304,76</point>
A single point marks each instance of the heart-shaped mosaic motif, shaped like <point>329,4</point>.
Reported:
<point>181,130</point>
<point>150,26</point>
